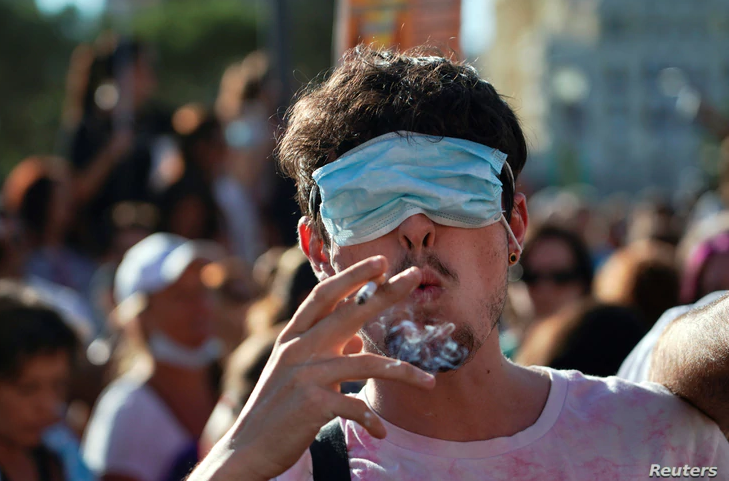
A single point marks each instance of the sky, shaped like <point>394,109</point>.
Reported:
<point>477,26</point>
<point>87,7</point>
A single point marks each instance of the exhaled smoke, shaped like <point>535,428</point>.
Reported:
<point>430,347</point>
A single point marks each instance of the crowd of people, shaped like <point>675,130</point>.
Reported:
<point>150,276</point>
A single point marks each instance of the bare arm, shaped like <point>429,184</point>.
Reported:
<point>298,390</point>
<point>691,359</point>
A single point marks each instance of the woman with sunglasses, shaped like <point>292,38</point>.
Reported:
<point>557,269</point>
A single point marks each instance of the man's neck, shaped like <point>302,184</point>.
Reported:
<point>487,398</point>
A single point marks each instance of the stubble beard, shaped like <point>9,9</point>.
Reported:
<point>426,339</point>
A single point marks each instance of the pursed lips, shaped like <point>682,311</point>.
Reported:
<point>430,288</point>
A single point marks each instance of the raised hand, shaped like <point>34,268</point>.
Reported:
<point>298,391</point>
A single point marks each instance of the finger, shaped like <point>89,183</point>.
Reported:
<point>356,410</point>
<point>341,325</point>
<point>353,346</point>
<point>325,296</point>
<point>366,366</point>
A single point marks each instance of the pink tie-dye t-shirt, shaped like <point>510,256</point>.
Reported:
<point>590,429</point>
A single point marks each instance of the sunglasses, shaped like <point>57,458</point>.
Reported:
<point>558,277</point>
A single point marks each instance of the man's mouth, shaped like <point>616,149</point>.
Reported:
<point>429,290</point>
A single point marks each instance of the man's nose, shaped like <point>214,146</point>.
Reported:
<point>416,233</point>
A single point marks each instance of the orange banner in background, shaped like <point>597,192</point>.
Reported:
<point>398,23</point>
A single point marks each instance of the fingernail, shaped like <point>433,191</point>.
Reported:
<point>407,273</point>
<point>411,271</point>
<point>367,419</point>
<point>426,377</point>
<point>378,262</point>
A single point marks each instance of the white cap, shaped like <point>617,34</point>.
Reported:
<point>157,262</point>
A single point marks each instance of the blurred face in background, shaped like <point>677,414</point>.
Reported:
<point>138,82</point>
<point>182,311</point>
<point>552,277</point>
<point>715,275</point>
<point>34,399</point>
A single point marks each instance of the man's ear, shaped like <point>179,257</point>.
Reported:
<point>519,218</point>
<point>313,247</point>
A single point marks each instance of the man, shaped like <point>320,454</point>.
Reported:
<point>146,424</point>
<point>405,165</point>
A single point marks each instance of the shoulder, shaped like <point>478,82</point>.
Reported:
<point>643,417</point>
<point>591,393</point>
<point>637,365</point>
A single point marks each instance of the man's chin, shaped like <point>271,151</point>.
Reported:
<point>429,346</point>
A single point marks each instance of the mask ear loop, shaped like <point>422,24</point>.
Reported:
<point>502,219</point>
<point>314,200</point>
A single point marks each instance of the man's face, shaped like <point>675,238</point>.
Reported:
<point>32,402</point>
<point>182,311</point>
<point>464,281</point>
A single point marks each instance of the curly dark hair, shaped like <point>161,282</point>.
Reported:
<point>374,92</point>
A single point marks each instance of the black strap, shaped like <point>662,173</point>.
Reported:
<point>329,455</point>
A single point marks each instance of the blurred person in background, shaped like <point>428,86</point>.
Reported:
<point>653,217</point>
<point>702,254</point>
<point>242,371</point>
<point>204,185</point>
<point>235,293</point>
<point>642,275</point>
<point>246,105</point>
<point>706,268</point>
<point>188,204</point>
<point>38,193</point>
<point>130,223</point>
<point>75,310</point>
<point>246,101</point>
<point>147,423</point>
<point>264,269</point>
<point>293,281</point>
<point>116,136</point>
<point>589,337</point>
<point>37,351</point>
<point>705,278</point>
<point>557,269</point>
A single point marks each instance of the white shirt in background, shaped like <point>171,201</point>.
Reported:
<point>133,433</point>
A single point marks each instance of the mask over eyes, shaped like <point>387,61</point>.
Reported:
<point>370,190</point>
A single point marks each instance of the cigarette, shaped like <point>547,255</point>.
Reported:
<point>367,291</point>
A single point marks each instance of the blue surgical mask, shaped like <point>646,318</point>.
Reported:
<point>370,190</point>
